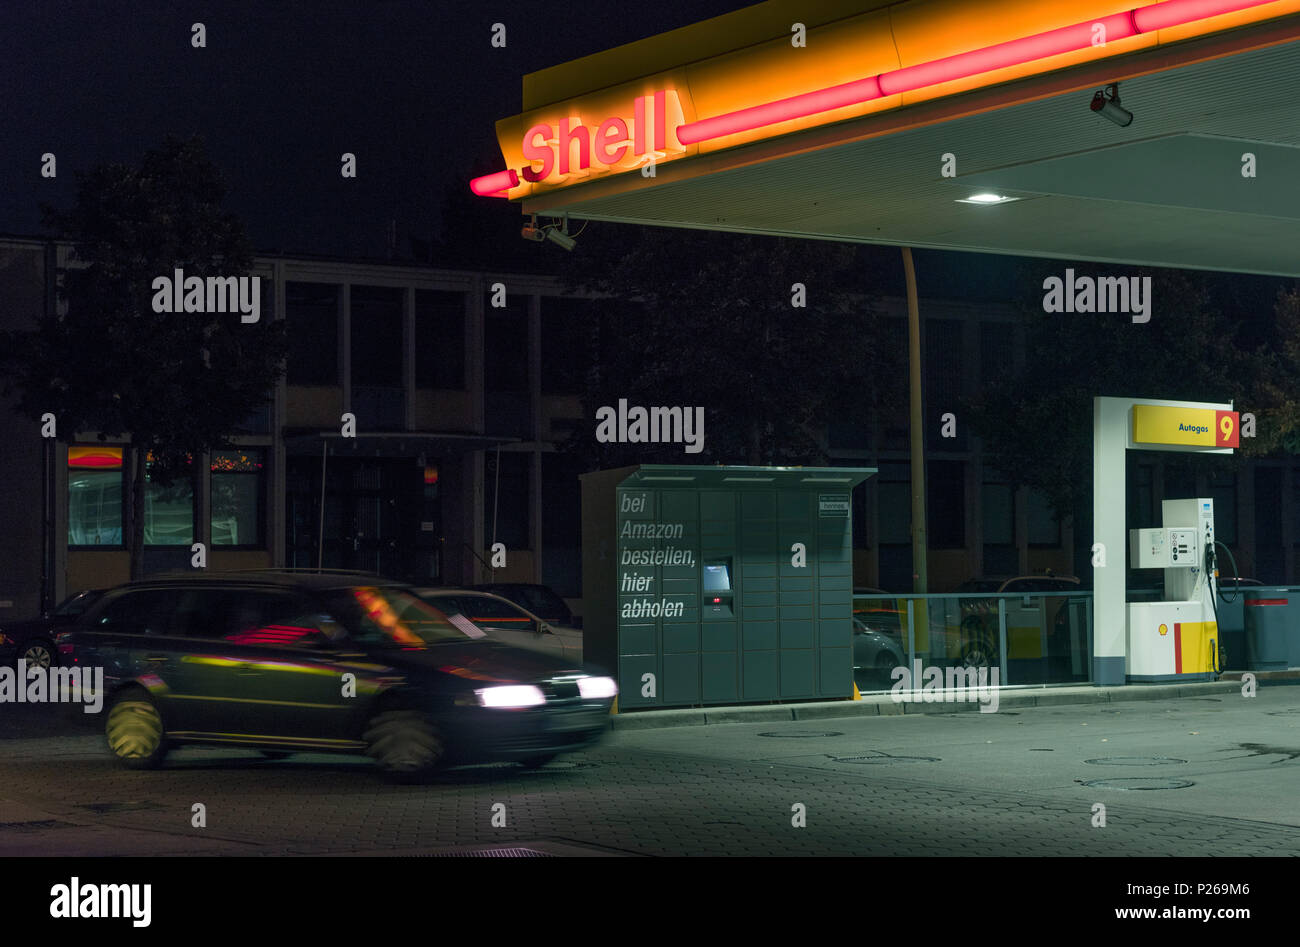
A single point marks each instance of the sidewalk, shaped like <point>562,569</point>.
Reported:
<point>873,705</point>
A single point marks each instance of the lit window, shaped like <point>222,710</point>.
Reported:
<point>94,495</point>
<point>237,492</point>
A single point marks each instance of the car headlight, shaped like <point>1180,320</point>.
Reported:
<point>594,688</point>
<point>510,695</point>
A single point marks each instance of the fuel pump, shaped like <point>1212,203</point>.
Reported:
<point>1176,639</point>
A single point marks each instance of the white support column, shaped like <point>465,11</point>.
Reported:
<point>1109,614</point>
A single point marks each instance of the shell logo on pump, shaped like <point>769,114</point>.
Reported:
<point>1164,630</point>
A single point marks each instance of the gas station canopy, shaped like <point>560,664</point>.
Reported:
<point>875,122</point>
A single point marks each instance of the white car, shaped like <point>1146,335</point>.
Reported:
<point>502,620</point>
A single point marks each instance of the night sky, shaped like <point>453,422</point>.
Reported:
<point>412,87</point>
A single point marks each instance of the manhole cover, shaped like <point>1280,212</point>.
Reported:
<point>884,759</point>
<point>1138,782</point>
<point>802,734</point>
<point>1134,761</point>
<point>491,853</point>
<point>1284,713</point>
<point>103,808</point>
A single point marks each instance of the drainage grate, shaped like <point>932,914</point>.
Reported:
<point>802,734</point>
<point>1134,761</point>
<point>490,853</point>
<point>1139,783</point>
<point>884,759</point>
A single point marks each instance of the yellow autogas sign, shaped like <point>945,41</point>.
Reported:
<point>1187,427</point>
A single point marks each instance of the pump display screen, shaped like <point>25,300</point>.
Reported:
<point>717,578</point>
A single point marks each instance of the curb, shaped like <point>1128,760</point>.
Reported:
<point>878,705</point>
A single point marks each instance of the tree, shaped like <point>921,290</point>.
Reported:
<point>176,384</point>
<point>1036,423</point>
<point>699,318</point>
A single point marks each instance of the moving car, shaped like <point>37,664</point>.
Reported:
<point>33,640</point>
<point>338,662</point>
<point>507,622</point>
<point>539,599</point>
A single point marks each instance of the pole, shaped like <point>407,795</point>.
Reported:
<point>920,577</point>
<point>320,529</point>
<point>496,495</point>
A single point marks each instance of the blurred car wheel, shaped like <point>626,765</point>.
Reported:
<point>135,731</point>
<point>405,743</point>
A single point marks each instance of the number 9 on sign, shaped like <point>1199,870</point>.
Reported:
<point>1226,433</point>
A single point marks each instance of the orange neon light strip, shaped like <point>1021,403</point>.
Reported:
<point>1028,49</point>
<point>963,65</point>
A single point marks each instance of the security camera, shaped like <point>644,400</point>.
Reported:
<point>1105,102</point>
<point>560,238</point>
<point>531,232</point>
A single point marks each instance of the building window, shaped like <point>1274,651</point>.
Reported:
<point>238,489</point>
<point>506,500</point>
<point>94,495</point>
<point>945,359</point>
<point>945,513</point>
<point>1222,486</point>
<point>1044,527</point>
<point>998,509</point>
<point>168,511</point>
<point>439,340</point>
<point>312,311</point>
<point>377,336</point>
<point>568,328</point>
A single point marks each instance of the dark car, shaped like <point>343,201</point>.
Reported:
<point>340,662</point>
<point>33,640</point>
<point>541,600</point>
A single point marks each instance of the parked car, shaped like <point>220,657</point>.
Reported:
<point>874,651</point>
<point>879,611</point>
<point>539,599</point>
<point>33,640</point>
<point>507,622</point>
<point>337,662</point>
<point>979,634</point>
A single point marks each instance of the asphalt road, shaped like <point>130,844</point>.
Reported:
<point>1214,775</point>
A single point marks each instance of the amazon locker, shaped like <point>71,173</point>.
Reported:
<point>720,585</point>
